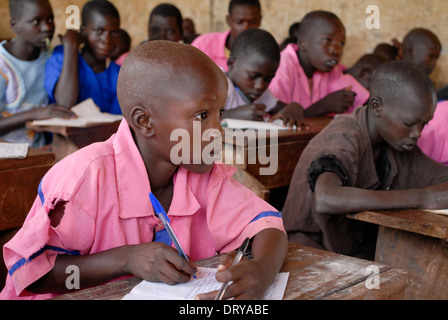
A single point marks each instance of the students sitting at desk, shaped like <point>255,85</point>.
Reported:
<point>94,211</point>
<point>22,66</point>
<point>243,15</point>
<point>253,61</point>
<point>73,74</point>
<point>310,73</point>
<point>368,160</point>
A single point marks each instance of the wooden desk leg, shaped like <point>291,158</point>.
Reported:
<point>62,146</point>
<point>248,180</point>
<point>425,258</point>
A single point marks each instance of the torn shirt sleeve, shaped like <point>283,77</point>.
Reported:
<point>326,163</point>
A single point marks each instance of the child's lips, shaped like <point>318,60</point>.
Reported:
<point>331,63</point>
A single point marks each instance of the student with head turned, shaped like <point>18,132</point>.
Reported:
<point>123,47</point>
<point>22,66</point>
<point>81,67</point>
<point>93,209</point>
<point>189,30</point>
<point>165,23</point>
<point>363,68</point>
<point>243,15</point>
<point>422,48</point>
<point>367,160</point>
<point>310,72</point>
<point>252,65</point>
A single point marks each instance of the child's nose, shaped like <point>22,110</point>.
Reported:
<point>259,84</point>
<point>335,49</point>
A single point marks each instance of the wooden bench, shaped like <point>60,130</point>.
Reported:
<point>417,241</point>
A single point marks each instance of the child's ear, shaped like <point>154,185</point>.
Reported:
<point>230,62</point>
<point>228,20</point>
<point>376,105</point>
<point>13,24</point>
<point>142,121</point>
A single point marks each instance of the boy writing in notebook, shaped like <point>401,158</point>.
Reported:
<point>243,15</point>
<point>368,160</point>
<point>310,73</point>
<point>22,66</point>
<point>81,67</point>
<point>252,64</point>
<point>94,211</point>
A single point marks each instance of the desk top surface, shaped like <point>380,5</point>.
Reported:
<point>412,220</point>
<point>316,125</point>
<point>313,274</point>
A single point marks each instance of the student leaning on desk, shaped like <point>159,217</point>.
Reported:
<point>93,209</point>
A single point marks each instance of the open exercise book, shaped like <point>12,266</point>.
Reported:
<point>204,283</point>
<point>88,114</point>
<point>442,211</point>
<point>248,124</point>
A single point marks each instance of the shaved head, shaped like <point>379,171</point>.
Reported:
<point>159,70</point>
<point>310,20</point>
<point>393,80</point>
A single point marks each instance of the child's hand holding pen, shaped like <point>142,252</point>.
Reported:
<point>247,276</point>
<point>157,262</point>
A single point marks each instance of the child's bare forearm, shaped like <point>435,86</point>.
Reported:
<point>67,89</point>
<point>93,270</point>
<point>270,247</point>
<point>331,197</point>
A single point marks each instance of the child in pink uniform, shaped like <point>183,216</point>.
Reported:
<point>434,139</point>
<point>310,72</point>
<point>253,61</point>
<point>243,15</point>
<point>93,209</point>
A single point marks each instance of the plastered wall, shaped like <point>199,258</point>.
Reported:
<point>396,19</point>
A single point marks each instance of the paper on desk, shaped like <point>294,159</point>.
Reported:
<point>204,283</point>
<point>442,211</point>
<point>247,124</point>
<point>13,150</point>
<point>87,113</point>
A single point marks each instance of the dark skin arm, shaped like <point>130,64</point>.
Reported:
<point>19,119</point>
<point>336,102</point>
<point>67,89</point>
<point>251,278</point>
<point>330,197</point>
<point>154,261</point>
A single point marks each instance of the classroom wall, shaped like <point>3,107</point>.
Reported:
<point>396,19</point>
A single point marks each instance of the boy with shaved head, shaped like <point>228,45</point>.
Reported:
<point>310,72</point>
<point>94,211</point>
<point>368,160</point>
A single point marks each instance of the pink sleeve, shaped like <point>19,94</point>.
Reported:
<point>32,252</point>
<point>230,222</point>
<point>434,139</point>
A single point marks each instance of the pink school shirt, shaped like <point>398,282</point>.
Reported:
<point>434,138</point>
<point>235,99</point>
<point>214,45</point>
<point>290,83</point>
<point>107,190</point>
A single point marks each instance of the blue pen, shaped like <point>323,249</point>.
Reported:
<point>160,212</point>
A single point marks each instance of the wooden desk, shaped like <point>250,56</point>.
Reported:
<point>314,275</point>
<point>20,179</point>
<point>415,240</point>
<point>67,140</point>
<point>290,146</point>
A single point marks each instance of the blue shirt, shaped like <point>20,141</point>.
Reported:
<point>101,87</point>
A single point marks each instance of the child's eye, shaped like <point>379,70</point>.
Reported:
<point>201,116</point>
<point>35,22</point>
<point>221,113</point>
<point>99,31</point>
